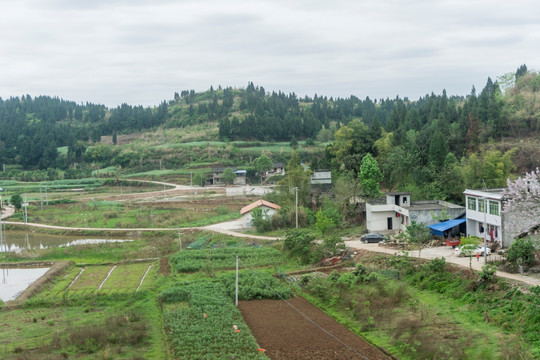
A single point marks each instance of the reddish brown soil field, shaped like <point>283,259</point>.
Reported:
<point>286,334</point>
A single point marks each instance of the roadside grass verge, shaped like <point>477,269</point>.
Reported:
<point>428,311</point>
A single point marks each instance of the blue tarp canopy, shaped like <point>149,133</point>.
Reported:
<point>438,229</point>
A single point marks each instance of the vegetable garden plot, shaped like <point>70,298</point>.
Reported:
<point>206,324</point>
<point>225,258</point>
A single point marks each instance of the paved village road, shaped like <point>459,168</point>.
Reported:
<point>448,254</point>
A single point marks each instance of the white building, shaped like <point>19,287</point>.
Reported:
<point>321,177</point>
<point>485,216</point>
<point>394,212</point>
<point>268,208</point>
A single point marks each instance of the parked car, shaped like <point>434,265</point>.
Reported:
<point>471,250</point>
<point>372,238</point>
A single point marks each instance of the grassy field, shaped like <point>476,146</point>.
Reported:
<point>105,327</point>
<point>116,214</point>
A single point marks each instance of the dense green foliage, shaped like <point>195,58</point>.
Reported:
<point>33,128</point>
<point>522,252</point>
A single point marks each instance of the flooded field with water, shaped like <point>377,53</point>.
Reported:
<point>13,281</point>
<point>15,241</point>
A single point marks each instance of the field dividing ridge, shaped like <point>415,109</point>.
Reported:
<point>109,274</point>
<point>76,277</point>
<point>144,276</point>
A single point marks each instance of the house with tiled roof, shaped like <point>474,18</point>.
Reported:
<point>268,208</point>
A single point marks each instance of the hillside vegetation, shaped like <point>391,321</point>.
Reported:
<point>438,143</point>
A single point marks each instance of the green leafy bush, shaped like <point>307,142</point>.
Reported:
<point>299,243</point>
<point>521,250</point>
<point>256,285</point>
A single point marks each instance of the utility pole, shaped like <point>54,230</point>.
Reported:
<point>1,233</point>
<point>25,204</point>
<point>296,188</point>
<point>179,239</point>
<point>236,282</point>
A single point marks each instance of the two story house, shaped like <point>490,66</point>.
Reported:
<point>395,211</point>
<point>485,217</point>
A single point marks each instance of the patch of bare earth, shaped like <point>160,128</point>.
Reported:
<point>164,266</point>
<point>285,334</point>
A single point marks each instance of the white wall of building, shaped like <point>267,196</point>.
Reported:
<point>477,219</point>
<point>377,217</point>
<point>247,218</point>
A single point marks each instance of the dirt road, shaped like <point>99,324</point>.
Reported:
<point>7,212</point>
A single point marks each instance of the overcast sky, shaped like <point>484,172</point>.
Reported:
<point>141,51</point>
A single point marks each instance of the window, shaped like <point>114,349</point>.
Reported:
<point>404,199</point>
<point>494,207</point>
<point>471,202</point>
<point>482,205</point>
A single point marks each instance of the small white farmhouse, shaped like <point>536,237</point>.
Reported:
<point>269,209</point>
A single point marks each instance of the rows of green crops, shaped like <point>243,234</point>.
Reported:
<point>202,323</point>
<point>225,258</point>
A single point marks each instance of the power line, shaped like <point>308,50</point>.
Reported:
<point>305,316</point>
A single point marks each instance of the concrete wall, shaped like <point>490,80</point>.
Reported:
<point>377,221</point>
<point>239,180</point>
<point>426,217</point>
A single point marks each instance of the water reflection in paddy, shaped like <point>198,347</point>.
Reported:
<point>15,241</point>
<point>13,281</point>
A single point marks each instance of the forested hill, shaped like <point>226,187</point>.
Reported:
<point>31,129</point>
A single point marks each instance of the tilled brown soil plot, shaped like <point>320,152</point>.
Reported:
<point>286,334</point>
